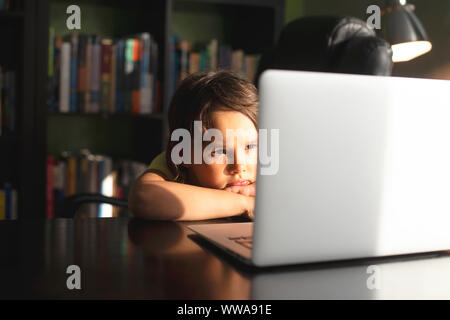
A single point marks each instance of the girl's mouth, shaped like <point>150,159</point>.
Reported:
<point>239,183</point>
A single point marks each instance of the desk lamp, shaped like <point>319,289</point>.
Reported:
<point>403,30</point>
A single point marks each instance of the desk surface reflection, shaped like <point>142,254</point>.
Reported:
<point>134,259</point>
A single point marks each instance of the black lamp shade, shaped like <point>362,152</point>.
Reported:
<point>403,30</point>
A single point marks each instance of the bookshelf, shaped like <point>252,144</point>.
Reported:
<point>251,25</point>
<point>21,158</point>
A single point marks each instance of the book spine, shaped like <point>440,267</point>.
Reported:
<point>185,47</point>
<point>203,65</point>
<point>106,48</point>
<point>212,54</point>
<point>145,83</point>
<point>155,85</point>
<point>176,63</point>
<point>74,73</point>
<point>112,88</point>
<point>82,73</point>
<point>129,66</point>
<point>100,176</point>
<point>72,173</point>
<point>64,84</point>
<point>120,63</point>
<point>135,90</point>
<point>56,74</point>
<point>106,186</point>
<point>50,71</point>
<point>95,75</point>
<point>49,212</point>
<point>59,178</point>
<point>87,93</point>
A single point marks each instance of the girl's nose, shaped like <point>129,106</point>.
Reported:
<point>237,168</point>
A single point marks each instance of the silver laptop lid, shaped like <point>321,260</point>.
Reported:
<point>364,167</point>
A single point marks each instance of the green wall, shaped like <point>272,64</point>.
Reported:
<point>293,10</point>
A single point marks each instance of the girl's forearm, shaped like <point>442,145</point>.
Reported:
<point>165,200</point>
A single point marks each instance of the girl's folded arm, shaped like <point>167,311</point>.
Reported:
<point>152,197</point>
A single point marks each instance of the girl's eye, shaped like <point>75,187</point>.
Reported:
<point>251,146</point>
<point>219,152</point>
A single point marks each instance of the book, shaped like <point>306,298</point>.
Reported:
<point>155,83</point>
<point>59,179</point>
<point>50,70</point>
<point>135,77</point>
<point>56,79</point>
<point>82,72</point>
<point>95,75</point>
<point>8,202</point>
<point>71,174</point>
<point>212,54</point>
<point>120,72</point>
<point>64,85</point>
<point>194,62</point>
<point>237,62</point>
<point>106,58</point>
<point>112,88</point>
<point>145,75</point>
<point>185,48</point>
<point>93,174</point>
<point>128,75</point>
<point>106,182</point>
<point>209,56</point>
<point>87,91</point>
<point>74,39</point>
<point>105,75</point>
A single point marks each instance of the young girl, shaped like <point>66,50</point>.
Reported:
<point>195,190</point>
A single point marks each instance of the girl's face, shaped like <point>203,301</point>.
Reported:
<point>241,146</point>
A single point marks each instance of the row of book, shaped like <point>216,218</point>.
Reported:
<point>83,172</point>
<point>9,5</point>
<point>91,74</point>
<point>191,57</point>
<point>7,101</point>
<point>8,202</point>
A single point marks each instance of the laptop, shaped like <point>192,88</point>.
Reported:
<point>364,171</point>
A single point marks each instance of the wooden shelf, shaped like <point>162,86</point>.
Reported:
<point>259,3</point>
<point>153,116</point>
<point>8,139</point>
<point>7,15</point>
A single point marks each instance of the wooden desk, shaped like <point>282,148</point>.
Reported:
<point>133,259</point>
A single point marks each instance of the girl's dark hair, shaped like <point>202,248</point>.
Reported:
<point>201,94</point>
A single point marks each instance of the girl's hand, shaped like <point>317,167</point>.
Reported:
<point>250,207</point>
<point>248,190</point>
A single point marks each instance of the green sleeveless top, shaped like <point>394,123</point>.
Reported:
<point>159,166</point>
